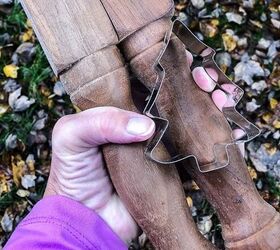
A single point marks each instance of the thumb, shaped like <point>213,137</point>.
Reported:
<point>97,126</point>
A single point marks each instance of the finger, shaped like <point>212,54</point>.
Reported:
<point>189,57</point>
<point>219,98</point>
<point>237,134</point>
<point>102,125</point>
<point>204,78</point>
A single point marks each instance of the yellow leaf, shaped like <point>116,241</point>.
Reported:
<point>28,23</point>
<point>253,173</point>
<point>3,108</point>
<point>27,36</point>
<point>207,29</point>
<point>11,71</point>
<point>194,186</point>
<point>31,167</point>
<point>215,22</point>
<point>271,150</point>
<point>77,109</point>
<point>229,42</point>
<point>266,117</point>
<point>276,124</point>
<point>4,188</point>
<point>223,67</point>
<point>273,103</point>
<point>17,169</point>
<point>189,201</point>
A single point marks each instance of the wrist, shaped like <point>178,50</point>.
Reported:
<point>118,218</point>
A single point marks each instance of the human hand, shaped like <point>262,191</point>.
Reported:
<point>78,170</point>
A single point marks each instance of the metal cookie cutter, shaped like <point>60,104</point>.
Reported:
<point>203,56</point>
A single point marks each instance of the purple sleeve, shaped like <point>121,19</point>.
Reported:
<point>57,222</point>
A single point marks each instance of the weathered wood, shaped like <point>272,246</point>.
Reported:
<point>248,222</point>
<point>70,30</point>
<point>94,74</point>
<point>130,15</point>
<point>153,194</point>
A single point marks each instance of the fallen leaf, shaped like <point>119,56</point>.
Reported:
<point>58,89</point>
<point>17,169</point>
<point>27,35</point>
<point>19,103</point>
<point>4,2</point>
<point>4,188</point>
<point>276,124</point>
<point>11,142</point>
<point>189,201</point>
<point>273,103</point>
<point>229,42</point>
<point>3,108</point>
<point>199,4</point>
<point>7,222</point>
<point>205,224</point>
<point>252,105</point>
<point>247,69</point>
<point>23,193</point>
<point>11,71</point>
<point>253,173</point>
<point>234,17</point>
<point>28,181</point>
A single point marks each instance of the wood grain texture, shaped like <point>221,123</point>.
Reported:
<point>96,75</point>
<point>130,15</point>
<point>195,126</point>
<point>153,194</point>
<point>70,30</point>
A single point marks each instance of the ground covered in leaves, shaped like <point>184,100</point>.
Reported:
<point>246,35</point>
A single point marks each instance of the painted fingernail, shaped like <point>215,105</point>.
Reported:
<point>203,80</point>
<point>140,126</point>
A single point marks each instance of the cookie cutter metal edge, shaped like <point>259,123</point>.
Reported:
<point>195,46</point>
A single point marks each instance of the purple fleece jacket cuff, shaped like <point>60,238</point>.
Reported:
<point>57,222</point>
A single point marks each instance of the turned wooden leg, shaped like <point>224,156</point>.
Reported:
<point>196,125</point>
